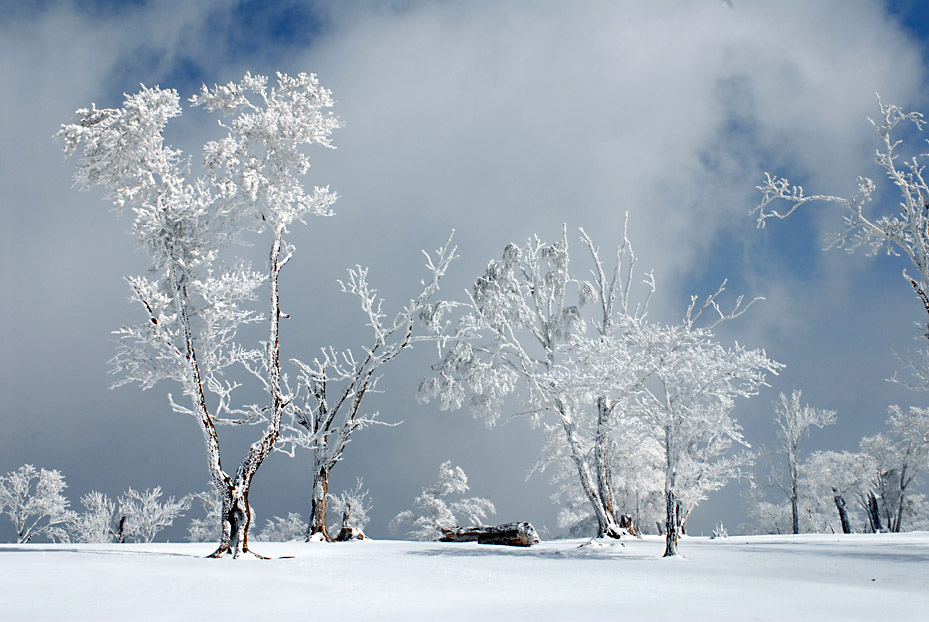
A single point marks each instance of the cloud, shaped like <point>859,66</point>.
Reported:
<point>498,119</point>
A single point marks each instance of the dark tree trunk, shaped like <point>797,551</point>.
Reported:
<point>319,507</point>
<point>672,529</point>
<point>843,513</point>
<point>507,534</point>
<point>874,515</point>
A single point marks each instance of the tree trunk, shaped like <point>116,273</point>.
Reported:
<point>237,516</point>
<point>602,457</point>
<point>672,529</point>
<point>874,516</point>
<point>508,534</point>
<point>319,506</point>
<point>606,524</point>
<point>843,513</point>
<point>794,502</point>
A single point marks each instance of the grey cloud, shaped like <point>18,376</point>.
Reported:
<point>498,120</point>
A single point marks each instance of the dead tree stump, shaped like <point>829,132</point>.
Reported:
<point>507,534</point>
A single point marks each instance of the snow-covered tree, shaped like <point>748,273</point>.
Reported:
<point>353,507</point>
<point>899,458</point>
<point>192,307</point>
<point>142,515</point>
<point>277,529</point>
<point>33,500</point>
<point>95,523</point>
<point>903,233</point>
<point>793,423</point>
<point>839,480</point>
<point>687,404</point>
<point>328,408</point>
<point>520,314</point>
<point>435,512</point>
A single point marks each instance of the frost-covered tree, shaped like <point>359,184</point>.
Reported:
<point>899,458</point>
<point>328,408</point>
<point>33,500</point>
<point>521,313</point>
<point>435,512</point>
<point>353,507</point>
<point>192,306</point>
<point>902,233</point>
<point>793,423</point>
<point>839,480</point>
<point>95,523</point>
<point>142,514</point>
<point>687,404</point>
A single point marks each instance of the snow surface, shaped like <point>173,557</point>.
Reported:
<point>815,577</point>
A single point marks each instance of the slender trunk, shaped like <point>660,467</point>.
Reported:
<point>874,516</point>
<point>794,497</point>
<point>606,524</point>
<point>194,388</point>
<point>671,504</point>
<point>672,529</point>
<point>843,513</point>
<point>319,505</point>
<point>237,517</point>
<point>602,458</point>
<point>898,520</point>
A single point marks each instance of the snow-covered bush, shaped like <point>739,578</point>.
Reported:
<point>206,528</point>
<point>435,512</point>
<point>142,515</point>
<point>32,499</point>
<point>277,529</point>
<point>95,523</point>
<point>352,506</point>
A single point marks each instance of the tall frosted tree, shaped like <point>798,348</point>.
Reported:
<point>192,306</point>
<point>794,421</point>
<point>685,400</point>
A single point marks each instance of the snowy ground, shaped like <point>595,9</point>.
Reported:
<point>861,577</point>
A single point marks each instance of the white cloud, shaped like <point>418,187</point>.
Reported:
<point>497,118</point>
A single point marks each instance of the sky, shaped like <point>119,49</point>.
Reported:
<point>498,120</point>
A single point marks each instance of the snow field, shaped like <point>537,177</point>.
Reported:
<point>816,577</point>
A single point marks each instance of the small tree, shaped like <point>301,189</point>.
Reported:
<point>142,515</point>
<point>353,507</point>
<point>327,409</point>
<point>33,500</point>
<point>95,523</point>
<point>793,422</point>
<point>437,513</point>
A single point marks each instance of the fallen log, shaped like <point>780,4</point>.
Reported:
<point>507,534</point>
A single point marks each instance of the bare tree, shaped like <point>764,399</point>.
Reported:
<point>327,410</point>
<point>193,310</point>
<point>793,423</point>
